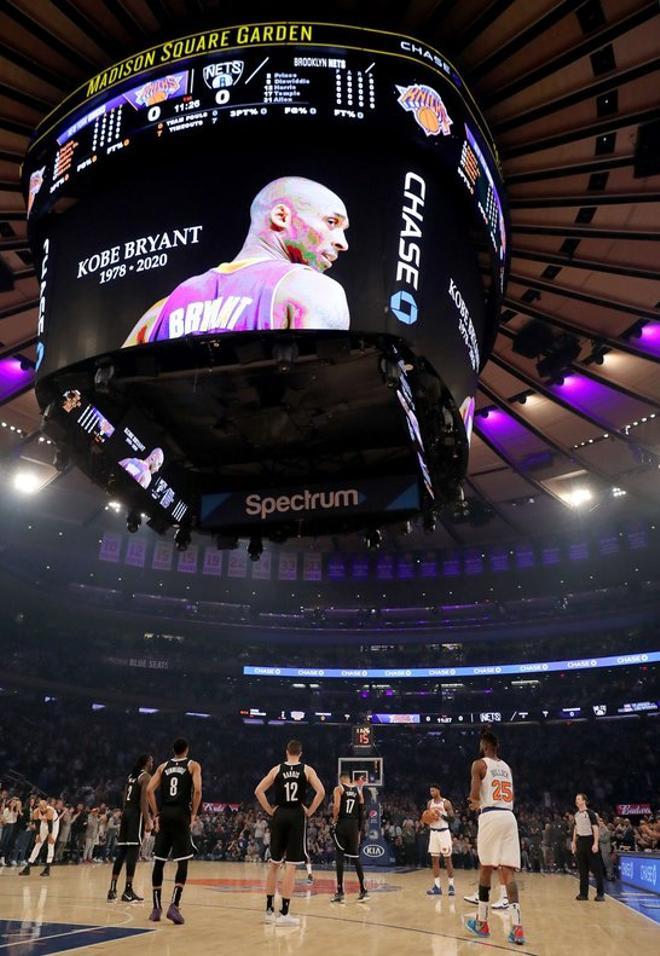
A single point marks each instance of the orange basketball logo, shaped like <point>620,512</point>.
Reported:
<point>427,106</point>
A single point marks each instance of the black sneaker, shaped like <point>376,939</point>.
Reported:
<point>25,871</point>
<point>581,897</point>
<point>112,896</point>
<point>337,898</point>
<point>599,898</point>
<point>363,897</point>
<point>128,896</point>
<point>46,870</point>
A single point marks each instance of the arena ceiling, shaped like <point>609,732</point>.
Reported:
<point>570,90</point>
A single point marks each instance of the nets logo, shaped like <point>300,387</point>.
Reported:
<point>218,76</point>
<point>427,106</point>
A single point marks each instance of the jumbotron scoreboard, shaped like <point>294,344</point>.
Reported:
<point>271,259</point>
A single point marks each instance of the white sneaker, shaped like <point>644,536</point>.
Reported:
<point>502,904</point>
<point>472,899</point>
<point>269,916</point>
<point>287,920</point>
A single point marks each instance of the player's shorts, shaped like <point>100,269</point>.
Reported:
<point>43,831</point>
<point>130,829</point>
<point>288,835</point>
<point>498,843</point>
<point>440,842</point>
<point>174,840</point>
<point>347,838</point>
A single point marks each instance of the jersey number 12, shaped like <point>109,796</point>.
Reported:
<point>291,788</point>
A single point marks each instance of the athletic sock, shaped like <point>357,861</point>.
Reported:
<point>176,895</point>
<point>309,868</point>
<point>269,902</point>
<point>157,898</point>
<point>482,912</point>
<point>285,907</point>
<point>113,884</point>
<point>450,881</point>
<point>436,881</point>
<point>503,892</point>
<point>515,914</point>
<point>129,886</point>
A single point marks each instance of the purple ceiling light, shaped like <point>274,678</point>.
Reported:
<point>597,400</point>
<point>13,378</point>
<point>649,338</point>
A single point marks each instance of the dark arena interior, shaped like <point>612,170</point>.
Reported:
<point>329,457</point>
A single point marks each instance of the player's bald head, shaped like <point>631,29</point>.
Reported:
<point>301,218</point>
<point>301,193</point>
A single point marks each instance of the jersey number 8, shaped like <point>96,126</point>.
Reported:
<point>174,786</point>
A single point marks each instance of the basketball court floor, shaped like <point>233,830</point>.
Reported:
<point>223,904</point>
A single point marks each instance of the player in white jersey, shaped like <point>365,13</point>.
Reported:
<point>47,821</point>
<point>440,840</point>
<point>498,844</point>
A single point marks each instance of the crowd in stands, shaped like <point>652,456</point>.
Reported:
<point>84,773</point>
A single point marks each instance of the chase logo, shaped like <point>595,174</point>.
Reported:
<point>404,307</point>
<point>374,851</point>
<point>218,76</point>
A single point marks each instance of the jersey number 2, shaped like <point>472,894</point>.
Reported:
<point>291,791</point>
<point>502,791</point>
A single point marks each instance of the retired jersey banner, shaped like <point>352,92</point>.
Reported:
<point>312,566</point>
<point>237,565</point>
<point>136,552</point>
<point>187,563</point>
<point>261,569</point>
<point>162,556</point>
<point>212,561</point>
<point>110,547</point>
<point>288,566</point>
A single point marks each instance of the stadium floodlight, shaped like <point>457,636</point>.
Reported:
<point>27,482</point>
<point>578,497</point>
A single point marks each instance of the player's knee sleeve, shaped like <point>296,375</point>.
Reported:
<point>157,875</point>
<point>181,872</point>
<point>484,893</point>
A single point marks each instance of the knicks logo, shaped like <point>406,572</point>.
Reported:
<point>427,106</point>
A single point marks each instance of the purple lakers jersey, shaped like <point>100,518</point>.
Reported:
<point>233,297</point>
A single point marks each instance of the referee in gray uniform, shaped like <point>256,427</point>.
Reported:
<point>586,849</point>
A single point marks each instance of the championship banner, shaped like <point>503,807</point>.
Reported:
<point>237,564</point>
<point>162,556</point>
<point>187,563</point>
<point>212,561</point>
<point>136,552</point>
<point>429,565</point>
<point>288,566</point>
<point>110,547</point>
<point>261,569</point>
<point>336,567</point>
<point>385,567</point>
<point>360,567</point>
<point>405,567</point>
<point>312,566</point>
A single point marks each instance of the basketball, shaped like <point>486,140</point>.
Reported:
<point>429,817</point>
<point>428,119</point>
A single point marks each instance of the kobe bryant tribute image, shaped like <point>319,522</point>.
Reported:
<point>276,281</point>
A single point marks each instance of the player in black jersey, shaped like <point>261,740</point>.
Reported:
<point>348,818</point>
<point>180,782</point>
<point>135,822</point>
<point>288,829</point>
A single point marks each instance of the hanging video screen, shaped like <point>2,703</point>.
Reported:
<point>303,177</point>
